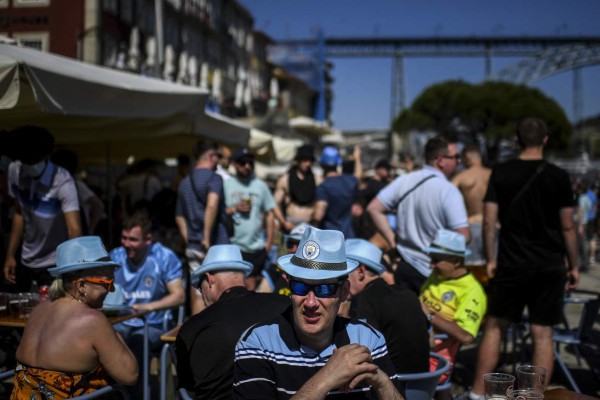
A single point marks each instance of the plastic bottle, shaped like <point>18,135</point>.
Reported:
<point>34,290</point>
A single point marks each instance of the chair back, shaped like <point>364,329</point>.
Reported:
<point>421,386</point>
<point>588,316</point>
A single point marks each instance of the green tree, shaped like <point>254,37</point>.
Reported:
<point>489,108</point>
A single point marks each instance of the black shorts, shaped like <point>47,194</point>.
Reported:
<point>540,289</point>
<point>257,259</point>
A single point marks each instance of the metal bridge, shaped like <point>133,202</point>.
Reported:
<point>548,55</point>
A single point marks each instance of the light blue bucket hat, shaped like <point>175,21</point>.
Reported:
<point>365,253</point>
<point>222,257</point>
<point>81,253</point>
<point>321,255</point>
<point>448,243</point>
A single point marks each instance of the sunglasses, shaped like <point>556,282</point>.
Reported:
<point>245,162</point>
<point>99,281</point>
<point>321,290</point>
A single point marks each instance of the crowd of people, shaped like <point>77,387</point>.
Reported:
<point>319,286</point>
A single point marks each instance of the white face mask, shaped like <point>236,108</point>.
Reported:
<point>33,171</point>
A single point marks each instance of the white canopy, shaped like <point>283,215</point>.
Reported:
<point>83,103</point>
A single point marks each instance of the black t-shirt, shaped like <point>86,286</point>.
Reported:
<point>206,342</point>
<point>530,233</point>
<point>397,314</point>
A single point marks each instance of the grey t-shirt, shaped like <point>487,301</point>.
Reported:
<point>43,202</point>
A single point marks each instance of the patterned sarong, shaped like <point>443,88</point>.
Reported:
<point>42,384</point>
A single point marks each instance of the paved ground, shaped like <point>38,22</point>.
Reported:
<point>587,375</point>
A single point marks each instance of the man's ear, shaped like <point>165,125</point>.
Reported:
<point>362,272</point>
<point>149,238</point>
<point>345,290</point>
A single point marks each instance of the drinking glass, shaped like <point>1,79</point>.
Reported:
<point>498,386</point>
<point>531,377</point>
<point>526,394</point>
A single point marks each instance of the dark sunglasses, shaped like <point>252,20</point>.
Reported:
<point>321,290</point>
<point>244,162</point>
<point>290,243</point>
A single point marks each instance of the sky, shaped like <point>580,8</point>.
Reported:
<point>362,85</point>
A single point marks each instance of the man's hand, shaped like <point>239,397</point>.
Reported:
<point>345,364</point>
<point>287,226</point>
<point>572,279</point>
<point>491,269</point>
<point>10,266</point>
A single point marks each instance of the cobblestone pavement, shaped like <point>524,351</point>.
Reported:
<point>587,375</point>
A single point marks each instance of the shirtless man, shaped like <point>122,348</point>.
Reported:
<point>295,192</point>
<point>472,183</point>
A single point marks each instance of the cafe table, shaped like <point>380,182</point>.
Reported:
<point>114,315</point>
<point>565,394</point>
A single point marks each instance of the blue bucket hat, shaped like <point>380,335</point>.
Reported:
<point>365,253</point>
<point>81,253</point>
<point>448,243</point>
<point>330,156</point>
<point>222,257</point>
<point>321,255</point>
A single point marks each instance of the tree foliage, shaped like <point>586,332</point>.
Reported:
<point>492,109</point>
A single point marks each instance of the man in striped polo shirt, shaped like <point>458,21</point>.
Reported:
<point>308,352</point>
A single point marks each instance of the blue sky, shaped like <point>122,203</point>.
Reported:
<point>362,86</point>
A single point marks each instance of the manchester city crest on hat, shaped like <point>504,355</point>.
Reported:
<point>321,254</point>
<point>310,250</point>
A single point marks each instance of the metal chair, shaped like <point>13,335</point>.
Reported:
<point>580,335</point>
<point>422,386</point>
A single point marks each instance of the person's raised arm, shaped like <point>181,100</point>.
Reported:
<point>378,213</point>
<point>358,168</point>
<point>570,240</point>
<point>490,219</point>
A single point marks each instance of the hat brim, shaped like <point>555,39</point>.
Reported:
<point>285,263</point>
<point>434,250</point>
<point>378,268</point>
<point>242,266</point>
<point>63,269</point>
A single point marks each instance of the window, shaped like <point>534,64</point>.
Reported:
<point>30,3</point>
<point>34,40</point>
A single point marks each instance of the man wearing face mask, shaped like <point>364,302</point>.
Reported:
<point>46,207</point>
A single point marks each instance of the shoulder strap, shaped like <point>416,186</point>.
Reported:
<point>422,181</point>
<point>527,184</point>
<point>194,189</point>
